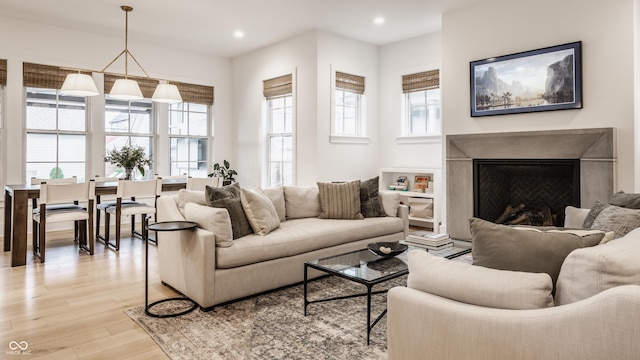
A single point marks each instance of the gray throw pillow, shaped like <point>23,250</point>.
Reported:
<point>229,197</point>
<point>370,201</point>
<point>593,214</point>
<point>617,219</point>
<point>340,200</point>
<point>622,199</point>
<point>507,248</point>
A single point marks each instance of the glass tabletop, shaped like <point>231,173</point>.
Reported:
<point>365,266</point>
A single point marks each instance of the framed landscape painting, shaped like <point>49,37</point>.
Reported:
<point>537,80</point>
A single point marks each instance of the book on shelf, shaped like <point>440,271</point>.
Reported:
<point>428,238</point>
<point>447,244</point>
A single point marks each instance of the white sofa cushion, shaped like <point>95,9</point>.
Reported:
<point>302,202</point>
<point>260,212</point>
<point>588,271</point>
<point>574,217</point>
<point>213,219</point>
<point>190,196</point>
<point>477,285</point>
<point>390,202</point>
<point>276,194</point>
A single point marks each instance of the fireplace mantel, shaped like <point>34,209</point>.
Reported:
<point>595,148</point>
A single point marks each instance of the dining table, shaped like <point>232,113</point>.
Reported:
<point>16,212</point>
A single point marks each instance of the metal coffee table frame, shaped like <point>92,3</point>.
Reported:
<point>364,257</point>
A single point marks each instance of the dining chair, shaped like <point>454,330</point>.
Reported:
<point>60,203</point>
<point>102,206</point>
<point>200,183</point>
<point>127,205</point>
<point>34,201</point>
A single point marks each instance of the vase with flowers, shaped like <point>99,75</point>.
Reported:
<point>129,157</point>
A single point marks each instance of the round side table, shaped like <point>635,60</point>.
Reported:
<point>163,226</point>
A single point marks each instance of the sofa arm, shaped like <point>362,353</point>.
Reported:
<point>426,326</point>
<point>403,213</point>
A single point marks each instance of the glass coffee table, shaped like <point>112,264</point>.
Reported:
<point>369,269</point>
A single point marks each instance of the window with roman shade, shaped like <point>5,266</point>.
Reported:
<point>55,124</point>
<point>421,104</point>
<point>278,93</point>
<point>348,123</point>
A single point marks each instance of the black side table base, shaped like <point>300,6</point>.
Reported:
<point>148,307</point>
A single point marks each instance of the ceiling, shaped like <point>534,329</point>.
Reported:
<point>207,26</point>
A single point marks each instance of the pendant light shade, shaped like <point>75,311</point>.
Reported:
<point>123,89</point>
<point>79,85</point>
<point>126,89</point>
<point>167,93</point>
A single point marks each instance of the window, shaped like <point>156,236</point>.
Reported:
<point>128,123</point>
<point>279,104</point>
<point>56,134</point>
<point>189,139</point>
<point>421,104</point>
<point>348,116</point>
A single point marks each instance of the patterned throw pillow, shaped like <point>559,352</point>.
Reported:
<point>617,219</point>
<point>370,201</point>
<point>340,200</point>
<point>228,197</point>
<point>593,214</point>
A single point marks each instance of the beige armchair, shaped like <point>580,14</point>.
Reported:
<point>461,311</point>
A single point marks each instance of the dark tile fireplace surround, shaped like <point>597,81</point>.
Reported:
<point>485,172</point>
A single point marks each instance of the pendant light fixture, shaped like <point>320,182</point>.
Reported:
<point>123,89</point>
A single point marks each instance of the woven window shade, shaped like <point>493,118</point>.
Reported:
<point>421,81</point>
<point>45,76</point>
<point>3,72</point>
<point>353,83</point>
<point>282,85</point>
<point>197,94</point>
<point>147,85</point>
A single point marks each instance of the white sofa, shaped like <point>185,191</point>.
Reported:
<point>191,263</point>
<point>482,313</point>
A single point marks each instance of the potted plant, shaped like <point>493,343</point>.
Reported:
<point>129,157</point>
<point>224,171</point>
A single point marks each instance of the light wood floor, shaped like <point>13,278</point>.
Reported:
<point>71,307</point>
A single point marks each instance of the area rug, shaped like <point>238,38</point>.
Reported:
<point>273,325</point>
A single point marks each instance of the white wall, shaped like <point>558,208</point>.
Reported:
<point>405,57</point>
<point>22,41</point>
<point>501,27</point>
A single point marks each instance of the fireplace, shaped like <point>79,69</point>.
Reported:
<point>525,191</point>
<point>594,151</point>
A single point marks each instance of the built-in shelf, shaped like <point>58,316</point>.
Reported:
<point>389,176</point>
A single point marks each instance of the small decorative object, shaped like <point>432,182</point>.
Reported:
<point>56,173</point>
<point>224,171</point>
<point>420,183</point>
<point>387,249</point>
<point>536,80</point>
<point>129,157</point>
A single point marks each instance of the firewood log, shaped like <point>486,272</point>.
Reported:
<point>508,211</point>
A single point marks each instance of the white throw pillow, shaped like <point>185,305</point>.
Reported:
<point>190,196</point>
<point>477,285</point>
<point>261,213</point>
<point>276,194</point>
<point>213,219</point>
<point>302,202</point>
<point>574,217</point>
<point>390,202</point>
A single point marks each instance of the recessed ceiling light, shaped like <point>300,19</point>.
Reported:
<point>378,20</point>
<point>238,34</point>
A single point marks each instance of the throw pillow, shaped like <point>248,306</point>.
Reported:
<point>186,196</point>
<point>622,199</point>
<point>260,212</point>
<point>276,194</point>
<point>477,285</point>
<point>617,219</point>
<point>507,248</point>
<point>593,214</point>
<point>340,200</point>
<point>213,219</point>
<point>390,202</point>
<point>370,201</point>
<point>589,271</point>
<point>228,197</point>
<point>301,202</point>
<point>574,217</point>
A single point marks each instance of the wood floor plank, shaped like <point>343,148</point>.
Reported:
<point>72,306</point>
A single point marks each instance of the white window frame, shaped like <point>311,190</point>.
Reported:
<point>269,136</point>
<point>3,157</point>
<point>336,136</point>
<point>419,138</point>
<point>186,136</point>
<point>57,132</point>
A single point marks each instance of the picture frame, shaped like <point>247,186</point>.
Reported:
<point>421,183</point>
<point>545,79</point>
